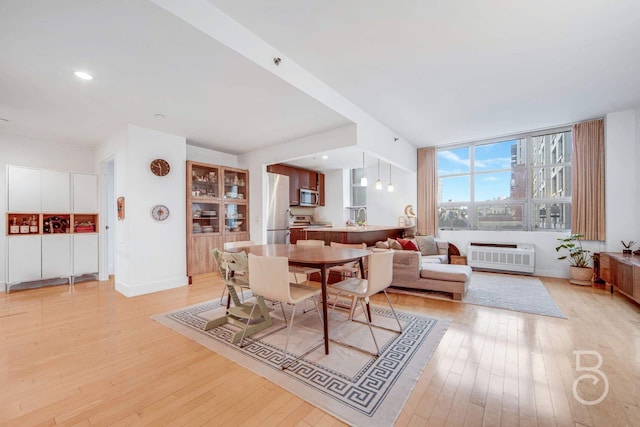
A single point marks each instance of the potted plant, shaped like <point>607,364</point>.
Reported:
<point>580,271</point>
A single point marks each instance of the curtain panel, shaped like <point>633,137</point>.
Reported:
<point>587,178</point>
<point>427,216</point>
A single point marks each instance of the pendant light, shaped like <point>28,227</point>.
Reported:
<point>363,180</point>
<point>378,182</point>
<point>390,186</point>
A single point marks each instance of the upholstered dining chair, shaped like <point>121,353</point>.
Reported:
<point>269,279</point>
<point>305,271</point>
<point>378,279</point>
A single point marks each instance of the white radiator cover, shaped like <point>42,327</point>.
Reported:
<point>511,257</point>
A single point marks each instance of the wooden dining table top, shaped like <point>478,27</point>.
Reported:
<point>307,254</point>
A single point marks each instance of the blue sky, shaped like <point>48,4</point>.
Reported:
<point>487,157</point>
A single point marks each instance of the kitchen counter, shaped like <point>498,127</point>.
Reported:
<point>369,234</point>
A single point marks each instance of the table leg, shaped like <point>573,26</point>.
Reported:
<point>325,318</point>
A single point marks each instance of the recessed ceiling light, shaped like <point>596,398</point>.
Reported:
<point>159,115</point>
<point>82,75</point>
<point>325,157</point>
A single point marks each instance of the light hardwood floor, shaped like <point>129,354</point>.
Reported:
<point>92,356</point>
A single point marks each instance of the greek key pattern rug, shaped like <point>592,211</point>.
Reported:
<point>352,385</point>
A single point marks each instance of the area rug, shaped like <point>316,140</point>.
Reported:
<point>505,291</point>
<point>352,385</point>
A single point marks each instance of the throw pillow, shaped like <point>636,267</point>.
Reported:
<point>382,245</point>
<point>427,245</point>
<point>407,245</point>
<point>393,244</point>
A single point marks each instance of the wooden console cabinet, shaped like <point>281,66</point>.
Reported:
<point>623,272</point>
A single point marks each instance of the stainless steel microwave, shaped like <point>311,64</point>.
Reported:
<point>309,197</point>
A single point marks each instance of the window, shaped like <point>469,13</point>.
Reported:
<point>358,192</point>
<point>521,183</point>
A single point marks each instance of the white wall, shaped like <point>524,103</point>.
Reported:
<point>21,151</point>
<point>198,154</point>
<point>149,256</point>
<point>383,207</point>
<point>621,178</point>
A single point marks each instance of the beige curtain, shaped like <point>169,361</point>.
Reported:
<point>427,216</point>
<point>587,178</point>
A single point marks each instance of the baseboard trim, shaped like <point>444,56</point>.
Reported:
<point>134,290</point>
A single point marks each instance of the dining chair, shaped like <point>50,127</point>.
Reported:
<point>306,271</point>
<point>242,315</point>
<point>269,279</point>
<point>350,269</point>
<point>234,270</point>
<point>378,279</point>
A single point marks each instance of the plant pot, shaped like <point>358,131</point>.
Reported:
<point>580,275</point>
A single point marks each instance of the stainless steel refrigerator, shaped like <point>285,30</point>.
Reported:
<point>278,209</point>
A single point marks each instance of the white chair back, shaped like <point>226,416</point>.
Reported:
<point>269,277</point>
<point>380,272</point>
<point>238,244</point>
<point>310,242</point>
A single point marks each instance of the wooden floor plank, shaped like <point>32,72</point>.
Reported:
<point>90,355</point>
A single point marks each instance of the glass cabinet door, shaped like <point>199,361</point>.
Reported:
<point>235,184</point>
<point>235,218</point>
<point>205,218</point>
<point>204,181</point>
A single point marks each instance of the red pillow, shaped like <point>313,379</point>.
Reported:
<point>407,245</point>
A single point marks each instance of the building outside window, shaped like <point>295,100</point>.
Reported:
<point>519,183</point>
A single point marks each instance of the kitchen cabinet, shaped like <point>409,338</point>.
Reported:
<point>23,189</point>
<point>24,259</point>
<point>64,211</point>
<point>85,193</point>
<point>56,255</point>
<point>321,188</point>
<point>294,186</point>
<point>297,233</point>
<point>217,212</point>
<point>85,254</point>
<point>300,178</point>
<point>56,191</point>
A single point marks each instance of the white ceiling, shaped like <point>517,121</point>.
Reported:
<point>145,61</point>
<point>434,72</point>
<point>439,72</point>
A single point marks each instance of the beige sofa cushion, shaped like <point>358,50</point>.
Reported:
<point>434,259</point>
<point>446,272</point>
<point>427,245</point>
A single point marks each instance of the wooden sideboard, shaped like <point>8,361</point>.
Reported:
<point>623,272</point>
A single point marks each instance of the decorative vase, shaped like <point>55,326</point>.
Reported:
<point>580,275</point>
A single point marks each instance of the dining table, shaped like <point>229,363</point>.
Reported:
<point>322,257</point>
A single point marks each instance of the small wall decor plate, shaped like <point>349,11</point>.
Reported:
<point>160,212</point>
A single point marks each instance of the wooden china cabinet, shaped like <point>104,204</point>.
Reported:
<point>217,212</point>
